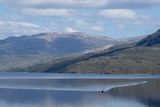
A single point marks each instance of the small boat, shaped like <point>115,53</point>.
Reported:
<point>102,91</point>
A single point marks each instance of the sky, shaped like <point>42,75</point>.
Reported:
<point>112,18</point>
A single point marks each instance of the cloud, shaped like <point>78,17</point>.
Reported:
<point>97,28</point>
<point>66,3</point>
<point>13,23</point>
<point>105,4</point>
<point>95,15</point>
<point>16,28</point>
<point>124,16</point>
<point>70,30</point>
<point>134,3</point>
<point>123,19</point>
<point>50,12</point>
<point>119,14</point>
<point>89,26</point>
<point>57,3</point>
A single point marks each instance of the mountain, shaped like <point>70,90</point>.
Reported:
<point>52,43</point>
<point>124,58</point>
<point>127,57</point>
<point>151,40</point>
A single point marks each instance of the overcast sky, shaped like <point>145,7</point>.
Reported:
<point>114,18</point>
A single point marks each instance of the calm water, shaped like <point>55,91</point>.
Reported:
<point>77,90</point>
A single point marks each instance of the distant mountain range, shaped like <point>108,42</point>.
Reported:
<point>138,55</point>
<point>52,43</point>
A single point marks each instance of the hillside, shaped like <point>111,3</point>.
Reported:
<point>29,50</point>
<point>144,57</point>
<point>131,60</point>
<point>151,40</point>
<point>124,58</point>
<point>52,43</point>
<point>127,58</point>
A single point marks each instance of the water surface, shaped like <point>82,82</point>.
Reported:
<point>78,90</point>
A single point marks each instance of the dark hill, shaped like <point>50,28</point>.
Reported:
<point>151,40</point>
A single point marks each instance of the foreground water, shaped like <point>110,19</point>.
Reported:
<point>77,90</point>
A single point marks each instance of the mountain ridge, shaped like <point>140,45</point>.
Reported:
<point>52,43</point>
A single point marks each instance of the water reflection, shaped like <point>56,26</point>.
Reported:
<point>32,98</point>
<point>79,93</point>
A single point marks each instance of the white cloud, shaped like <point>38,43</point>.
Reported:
<point>67,2</point>
<point>50,12</point>
<point>93,27</point>
<point>125,16</point>
<point>119,14</point>
<point>16,28</point>
<point>12,24</point>
<point>57,3</point>
<point>70,30</point>
<point>97,28</point>
<point>105,4</point>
